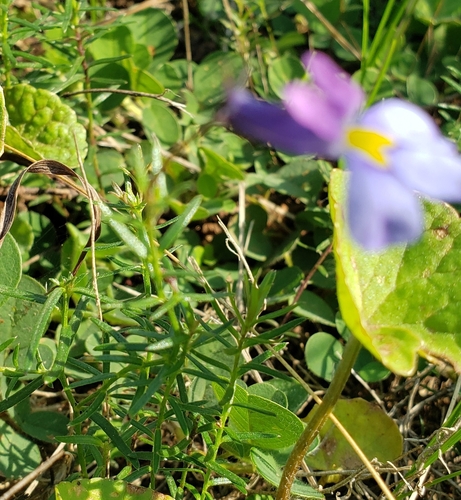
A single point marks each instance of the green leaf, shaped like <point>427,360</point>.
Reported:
<point>217,166</point>
<point>15,140</point>
<point>101,489</point>
<point>161,121</point>
<point>110,75</point>
<point>10,267</point>
<point>421,91</point>
<point>19,316</point>
<point>124,232</point>
<point>404,301</point>
<point>175,230</point>
<point>257,414</point>
<point>3,120</point>
<point>23,393</point>
<point>42,321</point>
<point>42,425</point>
<point>271,470</point>
<point>283,70</point>
<point>375,432</point>
<point>268,391</point>
<point>50,126</point>
<point>117,41</point>
<point>211,74</point>
<point>322,354</point>
<point>114,436</point>
<point>313,307</point>
<point>156,31</point>
<point>434,12</point>
<point>143,81</point>
<point>18,455</point>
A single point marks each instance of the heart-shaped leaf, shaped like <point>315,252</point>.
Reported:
<point>404,301</point>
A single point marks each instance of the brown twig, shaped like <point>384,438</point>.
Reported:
<point>43,467</point>
<point>131,93</point>
<point>306,280</point>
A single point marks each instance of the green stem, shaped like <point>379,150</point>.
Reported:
<point>78,430</point>
<point>332,395</point>
<point>372,97</point>
<point>226,401</point>
<point>391,40</point>
<point>365,33</point>
<point>377,39</point>
<point>5,48</point>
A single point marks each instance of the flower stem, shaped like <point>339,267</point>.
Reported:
<point>332,395</point>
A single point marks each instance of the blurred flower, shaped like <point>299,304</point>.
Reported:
<point>392,149</point>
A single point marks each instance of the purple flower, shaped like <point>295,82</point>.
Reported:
<point>392,149</point>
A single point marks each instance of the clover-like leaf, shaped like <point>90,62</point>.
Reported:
<point>48,125</point>
<point>406,301</point>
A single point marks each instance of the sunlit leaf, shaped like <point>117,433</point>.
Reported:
<point>376,434</point>
<point>404,301</point>
<point>49,125</point>
<point>101,489</point>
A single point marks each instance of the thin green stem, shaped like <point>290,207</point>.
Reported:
<point>5,49</point>
<point>228,399</point>
<point>382,73</point>
<point>377,39</point>
<point>365,33</point>
<point>160,419</point>
<point>77,428</point>
<point>332,395</point>
<point>392,38</point>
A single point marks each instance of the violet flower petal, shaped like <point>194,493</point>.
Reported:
<point>313,110</point>
<point>266,122</point>
<point>381,211</point>
<point>430,173</point>
<point>342,92</point>
<point>421,158</point>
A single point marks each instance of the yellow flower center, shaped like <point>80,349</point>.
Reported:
<point>370,143</point>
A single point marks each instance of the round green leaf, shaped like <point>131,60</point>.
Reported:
<point>19,317</point>
<point>116,42</point>
<point>375,432</point>
<point>159,120</point>
<point>421,91</point>
<point>322,354</point>
<point>155,30</point>
<point>212,73</point>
